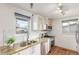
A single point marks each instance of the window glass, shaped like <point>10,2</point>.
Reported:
<point>69,26</point>
<point>22,23</point>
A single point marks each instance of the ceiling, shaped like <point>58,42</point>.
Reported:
<point>50,9</point>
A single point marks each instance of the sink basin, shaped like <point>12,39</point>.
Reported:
<point>33,41</point>
<point>22,44</point>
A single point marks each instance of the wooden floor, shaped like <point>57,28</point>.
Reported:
<point>62,51</point>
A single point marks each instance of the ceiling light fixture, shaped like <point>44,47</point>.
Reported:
<point>60,8</point>
<point>60,4</point>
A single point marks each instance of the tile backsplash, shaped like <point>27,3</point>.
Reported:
<point>23,37</point>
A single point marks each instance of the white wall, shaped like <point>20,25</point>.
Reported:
<point>8,24</point>
<point>7,21</point>
<point>63,39</point>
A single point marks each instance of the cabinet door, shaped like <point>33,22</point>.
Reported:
<point>46,20</point>
<point>36,50</point>
<point>46,47</point>
<point>43,23</point>
<point>43,50</point>
<point>49,44</point>
<point>39,22</point>
<point>27,51</point>
<point>50,22</point>
<point>35,24</point>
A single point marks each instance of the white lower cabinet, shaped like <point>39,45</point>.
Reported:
<point>27,51</point>
<point>39,49</point>
<point>34,50</point>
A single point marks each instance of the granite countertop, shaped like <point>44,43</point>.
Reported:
<point>49,36</point>
<point>4,51</point>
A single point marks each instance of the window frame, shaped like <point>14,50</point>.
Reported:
<point>23,18</point>
<point>69,25</point>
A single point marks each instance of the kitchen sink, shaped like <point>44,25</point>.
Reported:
<point>22,44</point>
<point>31,42</point>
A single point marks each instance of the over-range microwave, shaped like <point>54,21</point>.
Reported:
<point>46,27</point>
<point>49,27</point>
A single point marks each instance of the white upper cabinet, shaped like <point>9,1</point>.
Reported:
<point>49,22</point>
<point>39,22</point>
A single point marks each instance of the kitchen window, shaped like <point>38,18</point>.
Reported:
<point>22,23</point>
<point>69,26</point>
